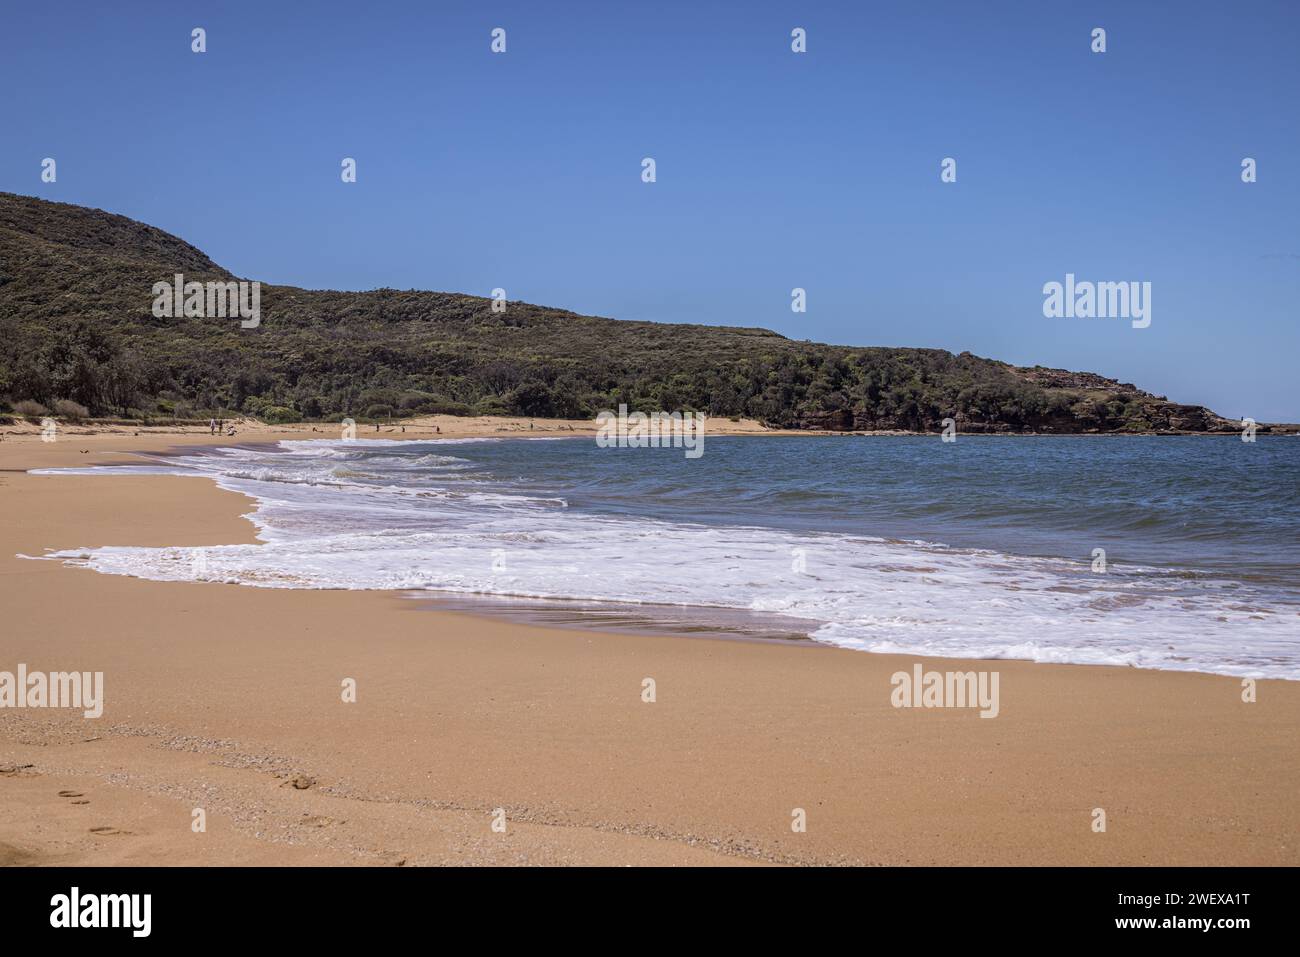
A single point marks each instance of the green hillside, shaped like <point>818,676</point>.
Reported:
<point>75,312</point>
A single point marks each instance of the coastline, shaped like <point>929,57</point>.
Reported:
<point>220,697</point>
<point>451,426</point>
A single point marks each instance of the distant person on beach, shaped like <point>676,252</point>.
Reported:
<point>212,426</point>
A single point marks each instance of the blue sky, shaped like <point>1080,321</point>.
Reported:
<point>775,170</point>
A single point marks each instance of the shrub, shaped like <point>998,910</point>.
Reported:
<point>532,398</point>
<point>30,409</point>
<point>72,411</point>
<point>434,405</point>
<point>492,405</point>
<point>277,414</point>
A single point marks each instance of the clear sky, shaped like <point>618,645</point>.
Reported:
<point>774,169</point>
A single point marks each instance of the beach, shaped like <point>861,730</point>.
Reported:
<point>227,699</point>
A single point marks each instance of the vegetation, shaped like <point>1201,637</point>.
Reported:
<point>76,328</point>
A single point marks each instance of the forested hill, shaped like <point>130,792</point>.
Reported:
<point>76,326</point>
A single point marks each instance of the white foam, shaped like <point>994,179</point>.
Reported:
<point>320,530</point>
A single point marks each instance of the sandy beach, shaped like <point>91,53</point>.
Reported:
<point>227,698</point>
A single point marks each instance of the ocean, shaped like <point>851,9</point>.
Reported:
<point>1176,553</point>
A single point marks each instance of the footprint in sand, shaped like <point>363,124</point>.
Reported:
<point>11,856</point>
<point>318,820</point>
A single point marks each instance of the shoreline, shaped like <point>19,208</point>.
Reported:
<point>586,614</point>
<point>513,426</point>
<point>223,697</point>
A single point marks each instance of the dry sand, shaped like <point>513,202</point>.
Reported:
<point>228,699</point>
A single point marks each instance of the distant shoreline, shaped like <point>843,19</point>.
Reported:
<point>451,426</point>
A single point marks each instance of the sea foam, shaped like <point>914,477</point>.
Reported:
<point>377,514</point>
